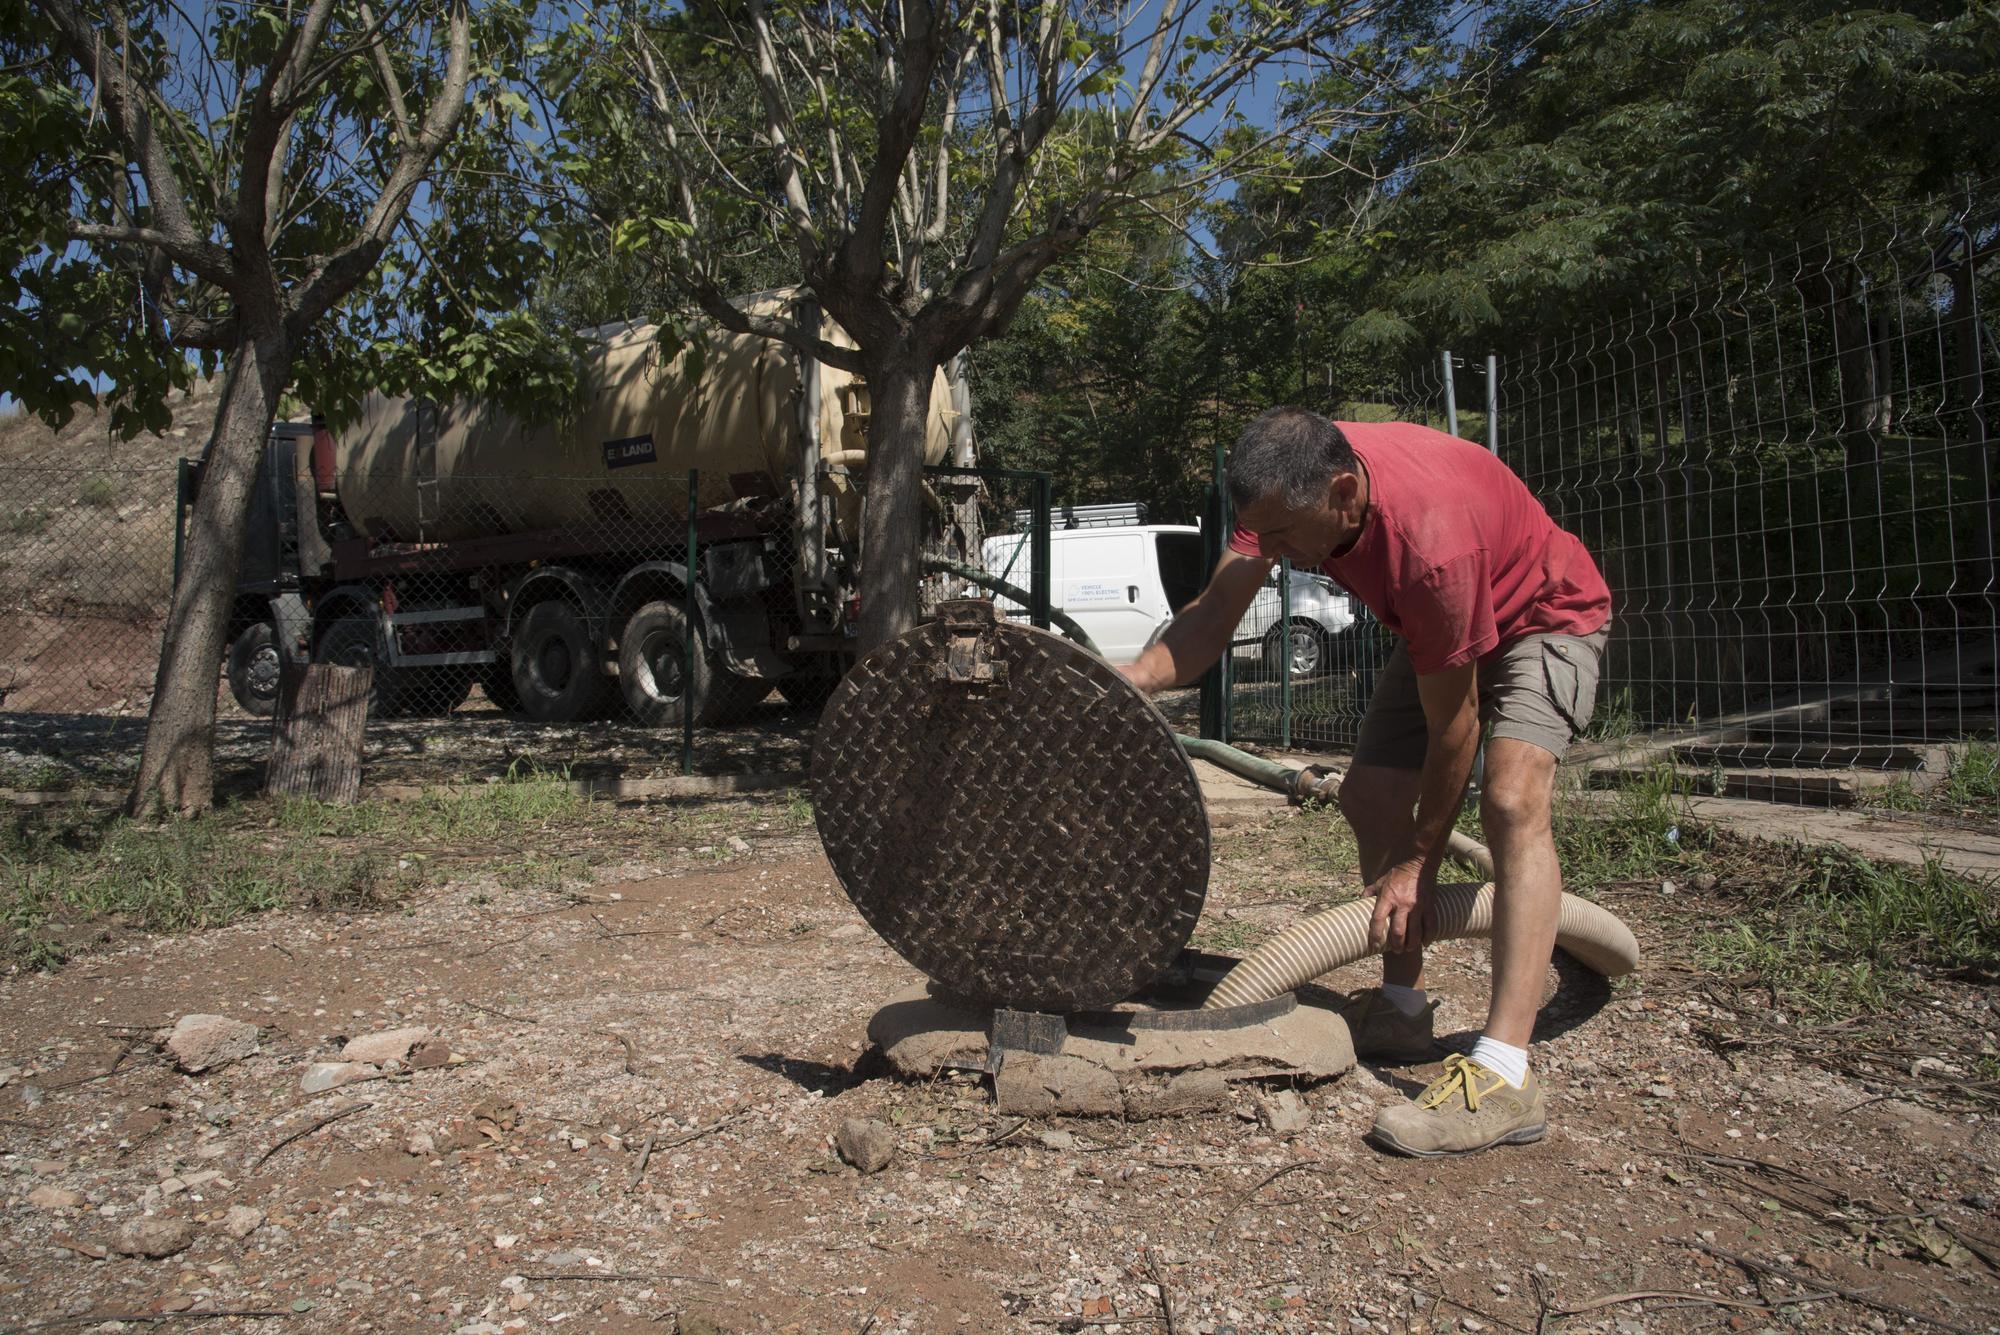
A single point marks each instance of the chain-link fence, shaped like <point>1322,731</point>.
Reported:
<point>594,624</point>
<point>1788,479</point>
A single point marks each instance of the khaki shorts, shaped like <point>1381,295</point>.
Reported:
<point>1540,689</point>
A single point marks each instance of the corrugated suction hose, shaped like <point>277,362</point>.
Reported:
<point>1339,936</point>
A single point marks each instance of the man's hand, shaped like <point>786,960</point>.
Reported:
<point>1144,678</point>
<point>1405,913</point>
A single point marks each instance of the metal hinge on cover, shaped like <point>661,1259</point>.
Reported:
<point>971,646</point>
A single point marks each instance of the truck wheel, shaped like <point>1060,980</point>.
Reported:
<point>351,642</point>
<point>497,680</point>
<point>653,675</point>
<point>1306,644</point>
<point>254,666</point>
<point>556,671</point>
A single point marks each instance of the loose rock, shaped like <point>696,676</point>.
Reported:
<point>391,1045</point>
<point>1285,1113</point>
<point>242,1221</point>
<point>155,1237</point>
<point>204,1042</point>
<point>55,1198</point>
<point>322,1076</point>
<point>865,1143</point>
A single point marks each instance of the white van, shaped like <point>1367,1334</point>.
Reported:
<point>1124,584</point>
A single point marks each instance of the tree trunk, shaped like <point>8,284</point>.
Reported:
<point>899,393</point>
<point>176,768</point>
<point>1866,409</point>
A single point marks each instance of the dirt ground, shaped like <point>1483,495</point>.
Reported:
<point>708,989</point>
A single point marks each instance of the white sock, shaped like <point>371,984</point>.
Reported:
<point>1503,1059</point>
<point>1409,1000</point>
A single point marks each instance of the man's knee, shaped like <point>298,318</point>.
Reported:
<point>1517,798</point>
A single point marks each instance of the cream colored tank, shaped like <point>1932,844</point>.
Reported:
<point>409,471</point>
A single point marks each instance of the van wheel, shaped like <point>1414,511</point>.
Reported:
<point>657,680</point>
<point>254,668</point>
<point>1306,645</point>
<point>555,665</point>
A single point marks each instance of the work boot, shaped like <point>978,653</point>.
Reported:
<point>1463,1111</point>
<point>1381,1030</point>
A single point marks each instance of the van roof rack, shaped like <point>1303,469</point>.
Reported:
<point>1112,514</point>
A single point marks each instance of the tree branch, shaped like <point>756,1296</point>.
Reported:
<point>123,101</point>
<point>734,318</point>
<point>334,277</point>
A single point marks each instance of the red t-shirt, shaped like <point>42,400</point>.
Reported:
<point>1456,555</point>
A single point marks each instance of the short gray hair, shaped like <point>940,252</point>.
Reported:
<point>1289,453</point>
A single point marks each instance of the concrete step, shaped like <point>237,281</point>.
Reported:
<point>1803,752</point>
<point>1804,785</point>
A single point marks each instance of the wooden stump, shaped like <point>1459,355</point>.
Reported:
<point>316,732</point>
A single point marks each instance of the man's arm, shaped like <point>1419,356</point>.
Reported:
<point>1402,894</point>
<point>1201,631</point>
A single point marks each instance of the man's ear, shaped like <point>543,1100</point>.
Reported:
<point>1343,490</point>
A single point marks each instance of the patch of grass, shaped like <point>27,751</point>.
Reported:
<point>1637,831</point>
<point>1835,935</point>
<point>99,493</point>
<point>798,813</point>
<point>1974,781</point>
<point>1229,936</point>
<point>65,867</point>
<point>29,522</point>
<point>526,800</point>
<point>1970,788</point>
<point>38,776</point>
<point>1326,842</point>
<point>1899,794</point>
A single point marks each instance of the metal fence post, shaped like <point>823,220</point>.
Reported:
<point>688,644</point>
<point>1285,655</point>
<point>1038,570</point>
<point>1493,403</point>
<point>1450,397</point>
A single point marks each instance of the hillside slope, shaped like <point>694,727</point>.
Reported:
<point>86,556</point>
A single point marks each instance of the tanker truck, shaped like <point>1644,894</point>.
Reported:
<point>449,544</point>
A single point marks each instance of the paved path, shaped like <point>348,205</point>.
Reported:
<point>1880,835</point>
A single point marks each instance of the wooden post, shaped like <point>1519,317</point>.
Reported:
<point>316,732</point>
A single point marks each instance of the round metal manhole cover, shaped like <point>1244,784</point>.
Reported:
<point>1011,814</point>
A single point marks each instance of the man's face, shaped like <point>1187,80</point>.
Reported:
<point>1310,534</point>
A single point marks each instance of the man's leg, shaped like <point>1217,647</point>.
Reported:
<point>1536,696</point>
<point>1380,803</point>
<point>1515,808</point>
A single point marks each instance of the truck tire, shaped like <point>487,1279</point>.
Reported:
<point>654,679</point>
<point>1307,647</point>
<point>555,662</point>
<point>254,668</point>
<point>497,680</point>
<point>351,642</point>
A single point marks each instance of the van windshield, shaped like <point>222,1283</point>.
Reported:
<point>1181,572</point>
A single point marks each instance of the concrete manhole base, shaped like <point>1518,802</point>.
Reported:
<point>1158,1055</point>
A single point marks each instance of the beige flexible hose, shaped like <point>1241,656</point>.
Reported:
<point>1326,941</point>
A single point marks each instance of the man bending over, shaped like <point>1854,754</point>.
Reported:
<point>1501,619</point>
